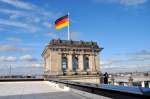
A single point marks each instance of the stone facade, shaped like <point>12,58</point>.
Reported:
<point>67,57</point>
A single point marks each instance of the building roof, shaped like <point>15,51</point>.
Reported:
<point>71,43</point>
<point>74,44</point>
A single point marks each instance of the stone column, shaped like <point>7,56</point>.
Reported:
<point>69,59</point>
<point>49,62</point>
<point>81,64</point>
<point>92,65</point>
<point>60,64</point>
<point>97,59</point>
<point>44,65</point>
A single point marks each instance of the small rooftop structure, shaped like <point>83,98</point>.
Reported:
<point>68,57</point>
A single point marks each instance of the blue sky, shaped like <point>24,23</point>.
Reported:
<point>121,27</point>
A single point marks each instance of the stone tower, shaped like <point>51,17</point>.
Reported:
<point>67,57</point>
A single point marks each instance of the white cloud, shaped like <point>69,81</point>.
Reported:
<point>27,58</point>
<point>21,68</point>
<point>7,59</point>
<point>10,11</point>
<point>51,34</point>
<point>106,1</point>
<point>132,2</point>
<point>32,20</point>
<point>21,64</point>
<point>19,4</point>
<point>133,68</point>
<point>33,44</point>
<point>75,33</point>
<point>36,65</point>
<point>14,39</point>
<point>123,2</point>
<point>140,55</point>
<point>56,35</point>
<point>29,27</point>
<point>130,61</point>
<point>15,14</point>
<point>10,48</point>
<point>47,24</point>
<point>107,62</point>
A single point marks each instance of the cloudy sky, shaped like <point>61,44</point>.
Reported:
<point>121,27</point>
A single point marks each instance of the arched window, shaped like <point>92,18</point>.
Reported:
<point>64,63</point>
<point>75,63</point>
<point>86,63</point>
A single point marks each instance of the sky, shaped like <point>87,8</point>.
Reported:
<point>121,27</point>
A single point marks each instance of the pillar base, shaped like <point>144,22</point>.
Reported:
<point>78,71</point>
<point>70,72</point>
<point>84,73</point>
<point>81,72</point>
<point>92,72</point>
<point>60,73</point>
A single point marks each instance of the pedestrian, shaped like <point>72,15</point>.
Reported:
<point>106,78</point>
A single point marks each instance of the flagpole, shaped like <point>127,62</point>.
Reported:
<point>68,27</point>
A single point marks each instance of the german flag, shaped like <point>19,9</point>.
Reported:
<point>62,22</point>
